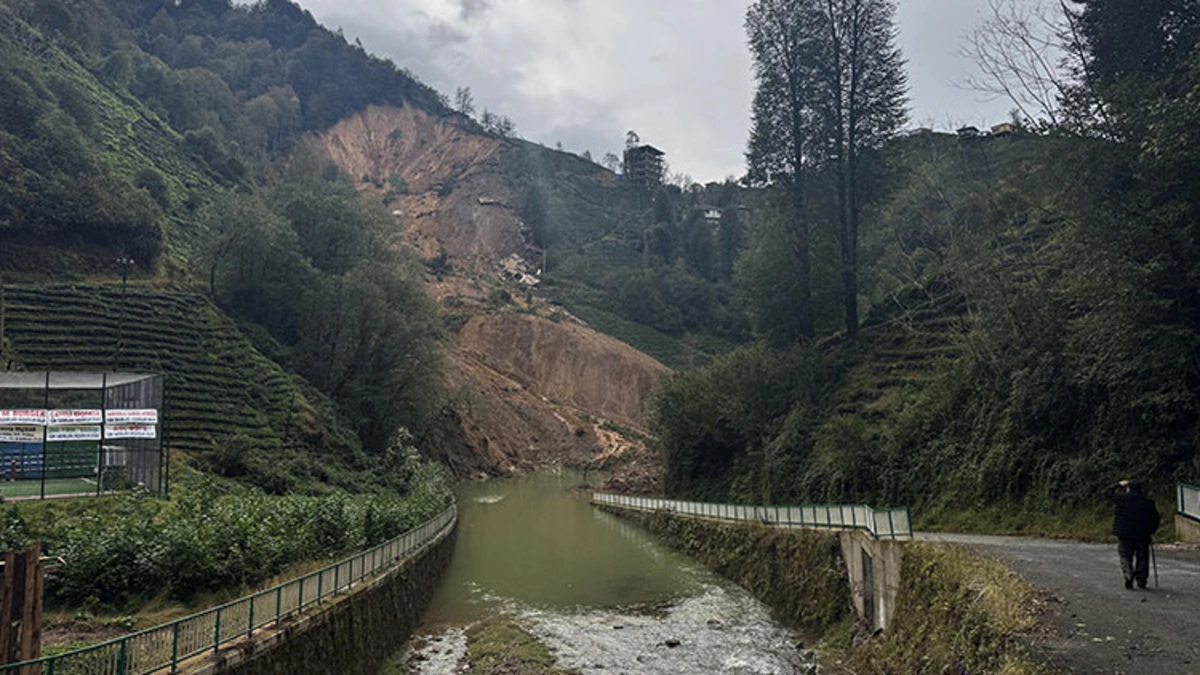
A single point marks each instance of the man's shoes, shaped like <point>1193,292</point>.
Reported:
<point>1129,584</point>
<point>1141,584</point>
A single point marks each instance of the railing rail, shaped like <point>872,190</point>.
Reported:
<point>1189,500</point>
<point>163,647</point>
<point>880,523</point>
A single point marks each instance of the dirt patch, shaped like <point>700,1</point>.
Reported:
<point>525,391</point>
<point>434,172</point>
<point>565,362</point>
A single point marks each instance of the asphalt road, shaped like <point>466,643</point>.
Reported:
<point>1098,625</point>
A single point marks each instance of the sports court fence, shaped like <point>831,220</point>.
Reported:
<point>75,433</point>
<point>880,523</point>
<point>163,648</point>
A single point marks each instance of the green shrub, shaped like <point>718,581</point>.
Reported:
<point>207,540</point>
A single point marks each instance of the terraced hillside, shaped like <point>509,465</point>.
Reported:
<point>907,340</point>
<point>218,385</point>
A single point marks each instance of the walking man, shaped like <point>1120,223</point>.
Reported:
<point>1134,522</point>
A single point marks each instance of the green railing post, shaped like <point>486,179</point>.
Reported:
<point>174,646</point>
<point>278,603</point>
<point>217,632</point>
<point>122,658</point>
<point>336,585</point>
<point>320,584</point>
<point>250,628</point>
<point>300,599</point>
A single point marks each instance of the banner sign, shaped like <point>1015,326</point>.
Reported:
<point>140,417</point>
<point>112,431</point>
<point>84,433</point>
<point>74,418</point>
<point>20,434</point>
<point>36,417</point>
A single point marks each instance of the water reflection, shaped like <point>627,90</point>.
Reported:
<point>605,596</point>
<point>536,541</point>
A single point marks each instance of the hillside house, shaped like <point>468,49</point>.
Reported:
<point>644,166</point>
<point>1004,129</point>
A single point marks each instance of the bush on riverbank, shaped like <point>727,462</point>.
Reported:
<point>209,538</point>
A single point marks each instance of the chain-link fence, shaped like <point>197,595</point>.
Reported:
<point>881,523</point>
<point>75,433</point>
<point>164,647</point>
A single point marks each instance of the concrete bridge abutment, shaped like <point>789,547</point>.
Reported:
<point>873,572</point>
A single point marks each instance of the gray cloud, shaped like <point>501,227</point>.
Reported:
<point>469,9</point>
<point>583,72</point>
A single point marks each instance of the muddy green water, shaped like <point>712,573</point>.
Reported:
<point>538,541</point>
<point>602,594</point>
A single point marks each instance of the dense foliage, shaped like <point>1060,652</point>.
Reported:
<point>1036,312</point>
<point>169,132</point>
<point>208,538</point>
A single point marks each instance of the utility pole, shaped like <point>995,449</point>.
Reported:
<point>3,358</point>
<point>124,262</point>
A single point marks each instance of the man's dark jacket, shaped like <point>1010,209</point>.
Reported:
<point>1136,517</point>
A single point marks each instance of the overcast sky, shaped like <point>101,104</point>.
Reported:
<point>583,72</point>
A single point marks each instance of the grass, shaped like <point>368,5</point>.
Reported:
<point>1094,524</point>
<point>500,647</point>
<point>665,349</point>
<point>54,486</point>
<point>956,612</point>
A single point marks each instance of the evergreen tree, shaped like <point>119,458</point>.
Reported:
<point>786,44</point>
<point>864,91</point>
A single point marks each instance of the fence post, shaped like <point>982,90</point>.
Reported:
<point>174,646</point>
<point>336,586</point>
<point>300,600</point>
<point>217,632</point>
<point>278,603</point>
<point>320,584</point>
<point>122,658</point>
<point>250,628</point>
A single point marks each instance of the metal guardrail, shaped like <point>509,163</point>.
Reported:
<point>1189,500</point>
<point>163,647</point>
<point>880,523</point>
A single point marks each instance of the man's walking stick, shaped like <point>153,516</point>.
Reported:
<point>1154,559</point>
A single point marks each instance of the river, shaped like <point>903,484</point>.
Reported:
<point>603,595</point>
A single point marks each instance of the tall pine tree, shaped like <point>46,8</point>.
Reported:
<point>785,42</point>
<point>864,106</point>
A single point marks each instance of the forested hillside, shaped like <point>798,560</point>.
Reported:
<point>1033,304</point>
<point>164,141</point>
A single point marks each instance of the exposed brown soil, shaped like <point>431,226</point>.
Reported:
<point>453,203</point>
<point>525,391</point>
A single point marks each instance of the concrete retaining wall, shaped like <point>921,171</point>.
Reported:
<point>354,635</point>
<point>873,571</point>
<point>811,578</point>
<point>1187,529</point>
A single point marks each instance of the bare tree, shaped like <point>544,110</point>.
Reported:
<point>464,102</point>
<point>1025,53</point>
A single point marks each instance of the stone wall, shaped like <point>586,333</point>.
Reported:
<point>354,635</point>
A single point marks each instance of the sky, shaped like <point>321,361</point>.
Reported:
<point>583,72</point>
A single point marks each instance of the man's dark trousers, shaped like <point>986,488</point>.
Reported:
<point>1135,559</point>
